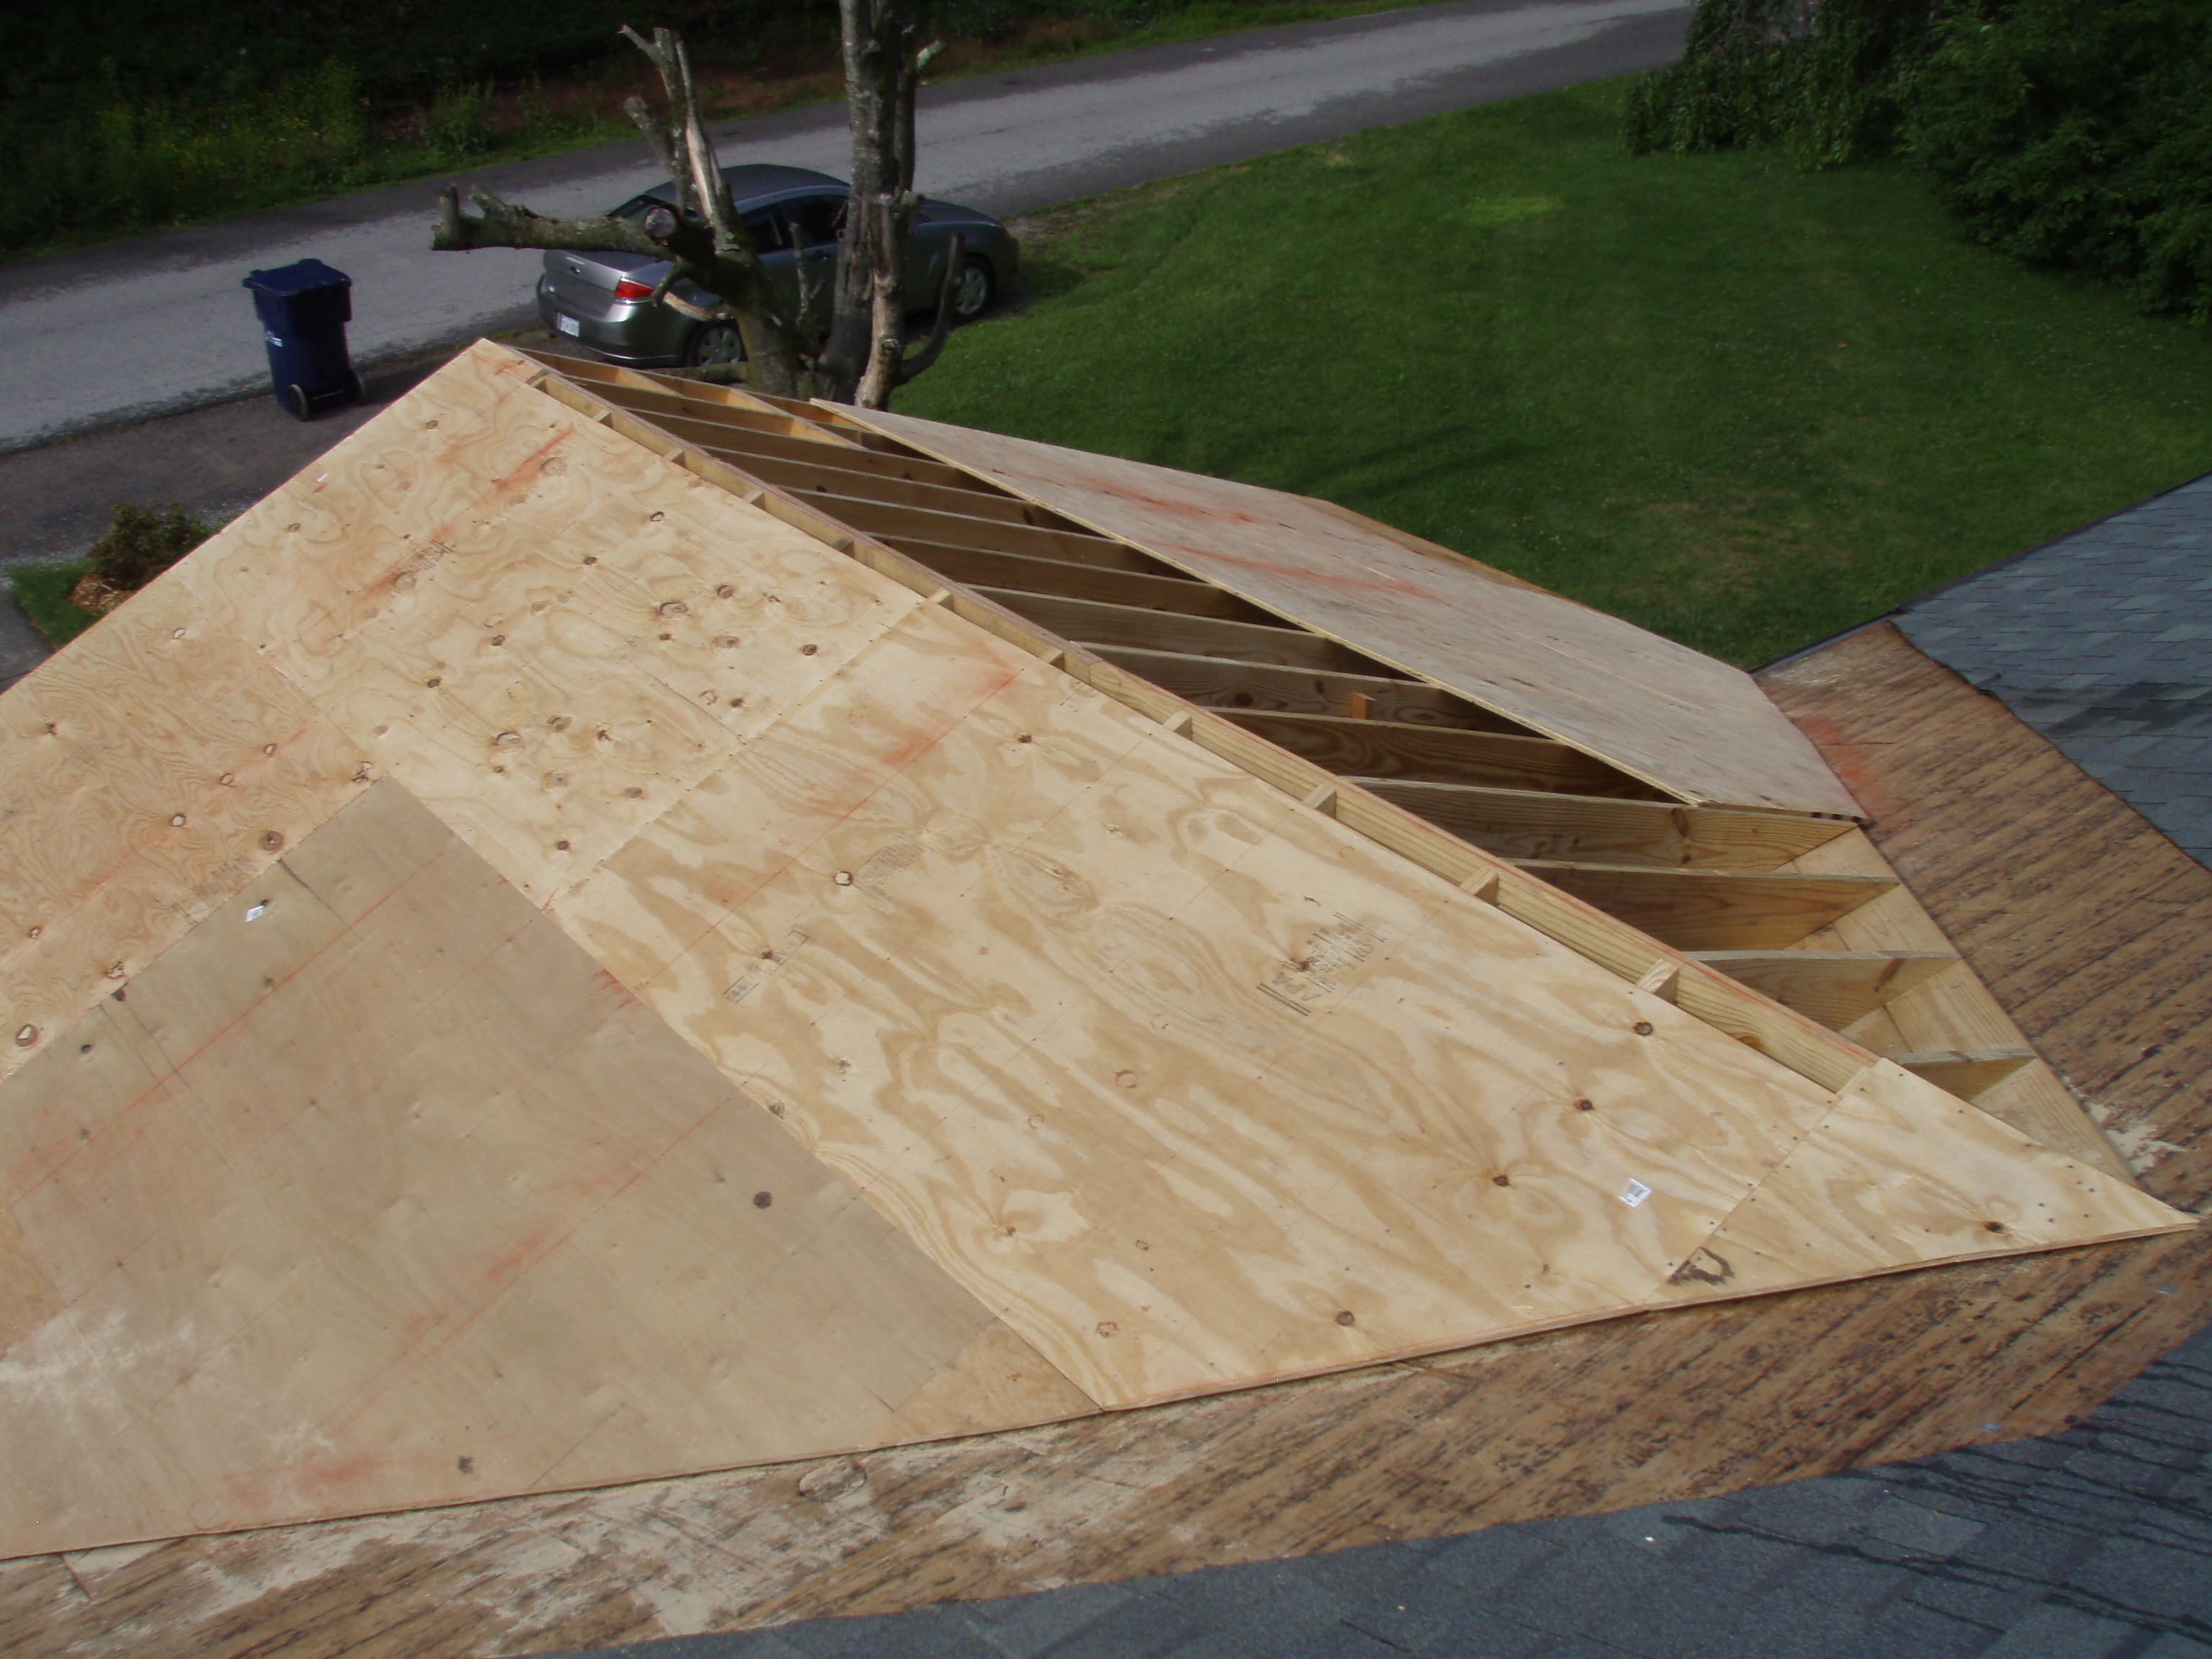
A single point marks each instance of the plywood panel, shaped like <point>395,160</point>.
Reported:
<point>1669,715</point>
<point>396,1199</point>
<point>1898,1165</point>
<point>146,775</point>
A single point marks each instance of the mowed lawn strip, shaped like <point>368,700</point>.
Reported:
<point>1738,403</point>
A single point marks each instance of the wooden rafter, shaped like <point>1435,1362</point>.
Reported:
<point>1714,909</point>
<point>1525,823</point>
<point>1383,748</point>
<point>1837,987</point>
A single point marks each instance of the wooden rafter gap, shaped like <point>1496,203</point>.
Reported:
<point>1713,909</point>
<point>1837,987</point>
<point>1063,578</point>
<point>1233,684</point>
<point>695,421</point>
<point>962,529</point>
<point>1966,1072</point>
<point>1365,747</point>
<point>1098,624</point>
<point>1086,555</point>
<point>693,399</point>
<point>1534,823</point>
<point>743,447</point>
<point>845,483</point>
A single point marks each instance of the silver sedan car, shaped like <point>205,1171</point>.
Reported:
<point>793,216</point>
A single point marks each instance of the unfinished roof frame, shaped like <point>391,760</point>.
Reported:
<point>1709,894</point>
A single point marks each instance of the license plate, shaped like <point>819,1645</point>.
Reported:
<point>567,325</point>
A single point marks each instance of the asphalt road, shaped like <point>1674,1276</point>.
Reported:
<point>130,330</point>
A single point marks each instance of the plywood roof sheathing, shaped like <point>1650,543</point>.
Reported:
<point>540,959</point>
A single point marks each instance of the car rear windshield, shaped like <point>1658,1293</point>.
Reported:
<point>766,234</point>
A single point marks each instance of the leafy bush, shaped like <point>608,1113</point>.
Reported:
<point>141,543</point>
<point>2078,134</point>
<point>1822,77</point>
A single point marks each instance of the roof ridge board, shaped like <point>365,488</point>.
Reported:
<point>1788,1037</point>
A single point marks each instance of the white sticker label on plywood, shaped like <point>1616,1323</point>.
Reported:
<point>254,912</point>
<point>1634,1194</point>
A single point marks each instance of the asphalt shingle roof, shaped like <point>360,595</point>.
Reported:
<point>2102,642</point>
<point>2095,1543</point>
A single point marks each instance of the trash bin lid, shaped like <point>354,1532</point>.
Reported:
<point>299,278</point>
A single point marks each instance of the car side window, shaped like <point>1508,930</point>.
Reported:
<point>766,232</point>
<point>813,219</point>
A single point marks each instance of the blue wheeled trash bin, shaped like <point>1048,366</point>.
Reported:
<point>304,308</point>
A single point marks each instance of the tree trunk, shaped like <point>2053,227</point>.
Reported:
<point>864,358</point>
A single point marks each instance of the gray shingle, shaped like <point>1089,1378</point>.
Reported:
<point>2104,635</point>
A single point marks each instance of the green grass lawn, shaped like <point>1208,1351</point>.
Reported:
<point>43,591</point>
<point>1737,403</point>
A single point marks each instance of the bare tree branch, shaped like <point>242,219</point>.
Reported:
<point>941,329</point>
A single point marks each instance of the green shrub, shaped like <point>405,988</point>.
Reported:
<point>141,543</point>
<point>1824,78</point>
<point>2077,134</point>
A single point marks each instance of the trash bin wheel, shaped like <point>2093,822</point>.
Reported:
<point>295,399</point>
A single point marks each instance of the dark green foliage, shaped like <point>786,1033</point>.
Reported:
<point>43,592</point>
<point>1823,78</point>
<point>2078,134</point>
<point>2075,134</point>
<point>142,114</point>
<point>141,543</point>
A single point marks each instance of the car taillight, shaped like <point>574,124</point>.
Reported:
<point>626,290</point>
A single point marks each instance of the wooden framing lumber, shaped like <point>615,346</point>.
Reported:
<point>1526,823</point>
<point>811,479</point>
<point>1087,621</point>
<point>1234,685</point>
<point>715,406</point>
<point>1083,554</point>
<point>1836,987</point>
<point>1012,573</point>
<point>958,529</point>
<point>1714,909</point>
<point>1373,749</point>
<point>1967,1073</point>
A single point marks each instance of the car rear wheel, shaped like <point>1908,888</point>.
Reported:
<point>714,343</point>
<point>974,289</point>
